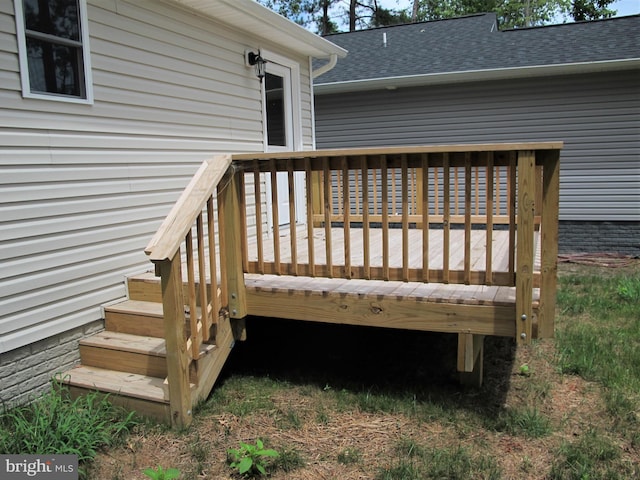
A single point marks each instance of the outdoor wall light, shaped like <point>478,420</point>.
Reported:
<point>259,63</point>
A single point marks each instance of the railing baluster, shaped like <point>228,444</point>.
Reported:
<point>275,217</point>
<point>328,210</point>
<point>446,217</point>
<point>405,218</point>
<point>394,209</point>
<point>292,218</point>
<point>365,219</point>
<point>346,221</point>
<point>202,278</point>
<point>243,221</point>
<point>385,217</point>
<point>213,270</point>
<point>374,173</point>
<point>310,239</point>
<point>425,217</point>
<point>467,218</point>
<point>258,205</point>
<point>455,192</point>
<point>222,244</point>
<point>489,220</point>
<point>191,289</point>
<point>511,207</point>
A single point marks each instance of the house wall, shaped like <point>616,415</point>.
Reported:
<point>84,187</point>
<point>596,115</point>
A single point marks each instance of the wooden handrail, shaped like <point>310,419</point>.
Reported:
<point>182,216</point>
<point>191,312</point>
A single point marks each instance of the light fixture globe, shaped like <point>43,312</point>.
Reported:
<point>259,64</point>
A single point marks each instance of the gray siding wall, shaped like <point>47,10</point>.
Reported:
<point>596,115</point>
<point>84,187</point>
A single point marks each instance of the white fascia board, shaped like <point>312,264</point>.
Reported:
<point>251,17</point>
<point>391,83</point>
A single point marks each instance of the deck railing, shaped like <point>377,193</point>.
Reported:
<point>415,194</point>
<point>195,300</point>
<point>419,193</point>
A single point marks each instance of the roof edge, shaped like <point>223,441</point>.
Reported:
<point>317,46</point>
<point>391,83</point>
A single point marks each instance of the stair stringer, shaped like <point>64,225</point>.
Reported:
<point>210,364</point>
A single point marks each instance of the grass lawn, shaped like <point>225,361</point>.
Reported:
<point>340,402</point>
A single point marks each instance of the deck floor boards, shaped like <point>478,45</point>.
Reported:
<point>500,244</point>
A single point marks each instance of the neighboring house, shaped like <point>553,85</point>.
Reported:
<point>106,112</point>
<point>464,81</point>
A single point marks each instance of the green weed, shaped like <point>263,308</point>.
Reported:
<point>526,422</point>
<point>288,460</point>
<point>56,424</point>
<point>452,464</point>
<point>591,457</point>
<point>160,474</point>
<point>250,460</point>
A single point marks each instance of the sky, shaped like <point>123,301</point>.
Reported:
<point>624,7</point>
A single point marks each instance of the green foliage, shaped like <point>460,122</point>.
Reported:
<point>288,460</point>
<point>582,10</point>
<point>451,463</point>
<point>527,422</point>
<point>250,460</point>
<point>160,474</point>
<point>592,457</point>
<point>56,424</point>
<point>598,337</point>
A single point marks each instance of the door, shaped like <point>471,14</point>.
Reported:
<point>279,131</point>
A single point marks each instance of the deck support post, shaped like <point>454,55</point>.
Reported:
<point>525,246</point>
<point>470,359</point>
<point>549,242</point>
<point>176,345</point>
<point>232,254</point>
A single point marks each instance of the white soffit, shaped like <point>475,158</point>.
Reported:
<point>251,17</point>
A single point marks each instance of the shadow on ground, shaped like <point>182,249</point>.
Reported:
<point>368,359</point>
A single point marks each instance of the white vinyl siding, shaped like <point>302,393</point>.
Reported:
<point>84,187</point>
<point>596,115</point>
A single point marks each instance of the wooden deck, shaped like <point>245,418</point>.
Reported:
<point>440,307</point>
<point>478,262</point>
<point>446,238</point>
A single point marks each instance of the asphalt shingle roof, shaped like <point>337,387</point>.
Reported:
<point>474,43</point>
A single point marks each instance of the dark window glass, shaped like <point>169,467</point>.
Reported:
<point>53,68</point>
<point>55,17</point>
<point>54,47</point>
<point>276,129</point>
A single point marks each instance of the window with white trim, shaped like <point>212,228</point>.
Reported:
<point>53,46</point>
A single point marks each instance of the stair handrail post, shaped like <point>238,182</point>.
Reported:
<point>526,163</point>
<point>178,359</point>
<point>549,241</point>
<point>231,246</point>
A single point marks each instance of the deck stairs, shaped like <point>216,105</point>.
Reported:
<point>128,358</point>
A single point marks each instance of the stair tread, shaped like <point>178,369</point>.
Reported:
<point>152,309</point>
<point>121,383</point>
<point>127,342</point>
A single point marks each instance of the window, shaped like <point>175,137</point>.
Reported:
<point>53,45</point>
<point>276,110</point>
